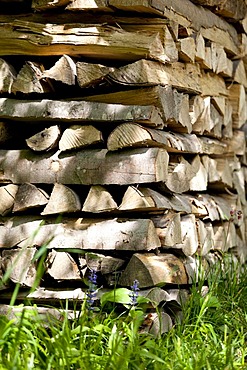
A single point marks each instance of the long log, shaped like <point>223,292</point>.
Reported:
<point>230,9</point>
<point>30,38</point>
<point>185,77</point>
<point>82,234</point>
<point>88,167</point>
<point>80,111</point>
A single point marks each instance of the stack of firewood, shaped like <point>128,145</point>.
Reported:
<point>123,146</point>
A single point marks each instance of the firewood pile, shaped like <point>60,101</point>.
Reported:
<point>123,143</point>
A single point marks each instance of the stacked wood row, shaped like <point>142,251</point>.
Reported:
<point>123,143</point>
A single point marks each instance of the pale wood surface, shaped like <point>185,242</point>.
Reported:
<point>29,196</point>
<point>87,167</point>
<point>82,234</point>
<point>44,140</point>
<point>49,110</point>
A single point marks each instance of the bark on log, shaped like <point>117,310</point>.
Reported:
<point>18,263</point>
<point>7,198</point>
<point>30,38</point>
<point>88,167</point>
<point>82,234</point>
<point>29,80</point>
<point>151,270</point>
<point>29,196</point>
<point>188,14</point>
<point>235,10</point>
<point>79,111</point>
<point>7,76</point>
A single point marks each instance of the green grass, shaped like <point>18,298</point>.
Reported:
<point>212,335</point>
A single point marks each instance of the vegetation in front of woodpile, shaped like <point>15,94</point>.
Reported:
<point>212,334</point>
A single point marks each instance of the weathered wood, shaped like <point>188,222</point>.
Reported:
<point>41,5</point>
<point>77,136</point>
<point>212,85</point>
<point>62,200</point>
<point>168,228</point>
<point>205,236</point>
<point>92,5</point>
<point>219,172</point>
<point>30,38</point>
<point>237,144</point>
<point>182,76</point>
<point>44,140</point>
<point>7,76</point>
<point>18,264</point>
<point>230,9</point>
<point>180,173</point>
<point>103,264</point>
<point>29,196</point>
<point>29,80</point>
<point>151,270</point>
<point>237,100</point>
<point>171,104</point>
<point>224,236</point>
<point>99,200</point>
<point>88,167</point>
<point>53,110</point>
<point>84,234</point>
<point>7,198</point>
<point>239,73</point>
<point>90,74</point>
<point>189,243</point>
<point>188,15</point>
<point>199,181</point>
<point>187,49</point>
<point>61,266</point>
<point>64,70</point>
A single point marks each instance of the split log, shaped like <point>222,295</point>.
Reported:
<point>7,198</point>
<point>100,5</point>
<point>41,5</point>
<point>219,172</point>
<point>239,73</point>
<point>168,228</point>
<point>61,266</point>
<point>151,270</point>
<point>213,85</point>
<point>30,38</point>
<point>78,136</point>
<point>90,74</point>
<point>205,235</point>
<point>234,10</point>
<point>180,173</point>
<point>99,200</point>
<point>239,184</point>
<point>199,181</point>
<point>7,76</point>
<point>188,15</point>
<point>62,200</point>
<point>224,236</point>
<point>189,243</point>
<point>143,199</point>
<point>103,264</point>
<point>237,100</point>
<point>237,144</point>
<point>82,234</point>
<point>227,130</point>
<point>82,111</point>
<point>211,207</point>
<point>187,49</point>
<point>88,167</point>
<point>200,53</point>
<point>29,196</point>
<point>44,140</point>
<point>173,105</point>
<point>64,70</point>
<point>131,134</point>
<point>18,264</point>
<point>29,80</point>
<point>185,77</point>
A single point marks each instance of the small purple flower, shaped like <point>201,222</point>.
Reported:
<point>91,293</point>
<point>134,292</point>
